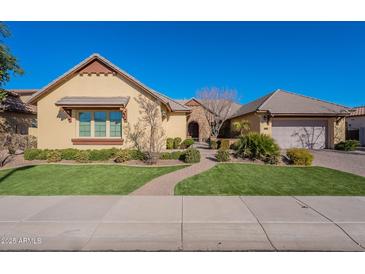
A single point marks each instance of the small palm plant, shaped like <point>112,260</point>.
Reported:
<point>241,127</point>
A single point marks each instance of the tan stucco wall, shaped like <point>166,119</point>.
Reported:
<point>252,118</point>
<point>54,132</point>
<point>336,128</point>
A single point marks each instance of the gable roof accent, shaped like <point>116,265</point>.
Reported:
<point>168,102</point>
<point>286,103</point>
<point>358,111</point>
<point>13,103</point>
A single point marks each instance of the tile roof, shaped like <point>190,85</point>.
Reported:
<point>24,91</point>
<point>284,102</point>
<point>175,106</point>
<point>358,111</point>
<point>92,101</point>
<point>13,103</point>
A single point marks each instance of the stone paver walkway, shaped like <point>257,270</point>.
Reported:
<point>175,223</point>
<point>344,161</point>
<point>165,184</point>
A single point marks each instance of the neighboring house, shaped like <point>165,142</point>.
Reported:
<point>91,105</point>
<point>295,120</point>
<point>356,120</point>
<point>356,125</point>
<point>24,94</point>
<point>16,116</point>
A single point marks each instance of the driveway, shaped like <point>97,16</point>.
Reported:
<point>344,161</point>
<point>180,223</point>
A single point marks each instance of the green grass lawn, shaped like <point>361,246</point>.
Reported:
<point>250,179</point>
<point>77,179</point>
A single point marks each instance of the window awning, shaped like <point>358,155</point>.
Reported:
<point>72,102</point>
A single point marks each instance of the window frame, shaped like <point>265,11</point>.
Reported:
<point>92,124</point>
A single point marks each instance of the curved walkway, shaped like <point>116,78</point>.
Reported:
<point>165,184</point>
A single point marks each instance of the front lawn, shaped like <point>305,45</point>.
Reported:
<point>251,179</point>
<point>77,179</point>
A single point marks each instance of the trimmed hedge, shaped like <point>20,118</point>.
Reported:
<point>177,142</point>
<point>223,155</point>
<point>224,144</point>
<point>169,143</point>
<point>175,155</point>
<point>213,144</point>
<point>82,156</point>
<point>54,156</point>
<point>102,154</point>
<point>300,156</point>
<point>191,155</point>
<point>187,143</point>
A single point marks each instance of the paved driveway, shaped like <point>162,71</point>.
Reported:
<point>182,223</point>
<point>348,162</point>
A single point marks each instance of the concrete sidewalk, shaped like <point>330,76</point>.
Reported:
<point>182,223</point>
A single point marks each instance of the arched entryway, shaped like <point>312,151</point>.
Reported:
<point>193,130</point>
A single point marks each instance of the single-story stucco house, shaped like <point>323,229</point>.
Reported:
<point>91,105</point>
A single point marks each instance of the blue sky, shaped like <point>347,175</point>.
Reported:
<point>325,60</point>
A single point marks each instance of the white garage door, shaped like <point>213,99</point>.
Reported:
<point>300,133</point>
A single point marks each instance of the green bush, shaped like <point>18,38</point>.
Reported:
<point>175,155</point>
<point>300,156</point>
<point>177,142</point>
<point>257,146</point>
<point>102,154</point>
<point>54,156</point>
<point>213,144</point>
<point>348,145</point>
<point>136,154</point>
<point>69,153</point>
<point>169,143</point>
<point>222,155</point>
<point>32,154</point>
<point>234,146</point>
<point>187,143</point>
<point>191,155</point>
<point>224,144</point>
<point>82,156</point>
<point>122,156</point>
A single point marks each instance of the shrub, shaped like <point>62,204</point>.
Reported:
<point>136,154</point>
<point>102,154</point>
<point>257,146</point>
<point>31,154</point>
<point>300,156</point>
<point>177,142</point>
<point>82,156</point>
<point>169,143</point>
<point>191,155</point>
<point>213,144</point>
<point>176,155</point>
<point>348,145</point>
<point>187,143</point>
<point>224,144</point>
<point>69,153</point>
<point>54,156</point>
<point>122,156</point>
<point>234,146</point>
<point>222,155</point>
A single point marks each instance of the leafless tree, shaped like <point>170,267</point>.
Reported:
<point>218,104</point>
<point>152,139</point>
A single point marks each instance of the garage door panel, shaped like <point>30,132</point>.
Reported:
<point>300,133</point>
